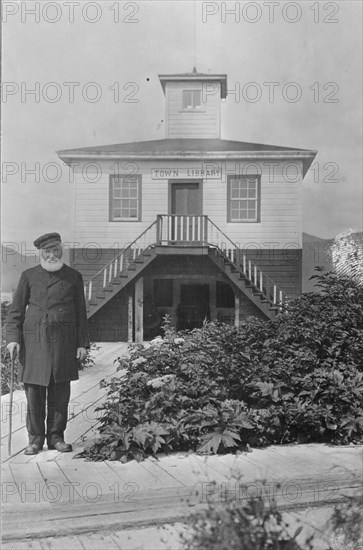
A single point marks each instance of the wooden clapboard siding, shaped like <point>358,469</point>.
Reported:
<point>280,220</point>
<point>188,124</point>
<point>280,215</point>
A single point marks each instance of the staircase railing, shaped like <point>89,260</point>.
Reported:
<point>257,278</point>
<point>120,262</point>
<point>169,230</point>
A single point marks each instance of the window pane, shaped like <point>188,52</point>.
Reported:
<point>243,198</point>
<point>125,193</point>
<point>234,193</point>
<point>197,99</point>
<point>187,99</point>
<point>125,203</point>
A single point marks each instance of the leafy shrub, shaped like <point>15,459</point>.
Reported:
<point>216,388</point>
<point>258,524</point>
<point>253,524</point>
<point>88,361</point>
<point>346,522</point>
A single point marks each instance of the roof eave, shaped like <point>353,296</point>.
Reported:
<point>196,77</point>
<point>306,156</point>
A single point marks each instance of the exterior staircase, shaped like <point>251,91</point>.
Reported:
<point>169,233</point>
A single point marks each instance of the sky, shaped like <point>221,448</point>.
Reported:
<point>294,74</point>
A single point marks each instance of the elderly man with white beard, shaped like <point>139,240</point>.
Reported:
<point>47,328</point>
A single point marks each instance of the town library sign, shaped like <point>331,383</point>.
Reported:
<point>206,171</point>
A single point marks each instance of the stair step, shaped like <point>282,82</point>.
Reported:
<point>106,289</point>
<point>100,297</point>
<point>116,282</point>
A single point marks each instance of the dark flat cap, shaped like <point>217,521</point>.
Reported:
<point>47,240</point>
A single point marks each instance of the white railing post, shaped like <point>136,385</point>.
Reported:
<point>274,296</point>
<point>181,228</point>
<point>170,228</point>
<point>249,270</point>
<point>90,291</point>
<point>255,275</point>
<point>261,281</point>
<point>104,276</point>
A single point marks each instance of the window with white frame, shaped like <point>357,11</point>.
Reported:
<point>192,99</point>
<point>243,199</point>
<point>125,198</point>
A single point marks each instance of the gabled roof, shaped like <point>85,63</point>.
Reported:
<point>189,148</point>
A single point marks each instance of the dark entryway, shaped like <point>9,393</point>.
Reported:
<point>193,307</point>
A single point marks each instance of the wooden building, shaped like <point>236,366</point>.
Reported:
<point>192,225</point>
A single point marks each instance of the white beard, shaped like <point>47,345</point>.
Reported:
<point>51,266</point>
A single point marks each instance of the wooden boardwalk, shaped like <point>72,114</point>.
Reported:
<point>51,495</point>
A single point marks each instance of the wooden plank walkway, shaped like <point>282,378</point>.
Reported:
<point>50,495</point>
<point>86,395</point>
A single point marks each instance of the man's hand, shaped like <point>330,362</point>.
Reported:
<point>81,353</point>
<point>13,349</point>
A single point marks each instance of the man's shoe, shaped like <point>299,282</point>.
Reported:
<point>32,449</point>
<point>61,447</point>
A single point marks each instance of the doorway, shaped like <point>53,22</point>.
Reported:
<point>186,200</point>
<point>193,307</point>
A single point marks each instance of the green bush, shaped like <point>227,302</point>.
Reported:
<point>258,524</point>
<point>254,524</point>
<point>216,388</point>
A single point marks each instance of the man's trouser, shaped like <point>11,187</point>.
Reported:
<point>56,398</point>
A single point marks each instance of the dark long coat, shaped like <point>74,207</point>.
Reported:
<point>48,319</point>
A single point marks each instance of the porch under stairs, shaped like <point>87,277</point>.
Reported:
<point>185,235</point>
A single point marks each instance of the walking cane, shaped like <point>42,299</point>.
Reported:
<point>11,400</point>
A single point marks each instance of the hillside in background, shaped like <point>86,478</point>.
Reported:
<point>315,253</point>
